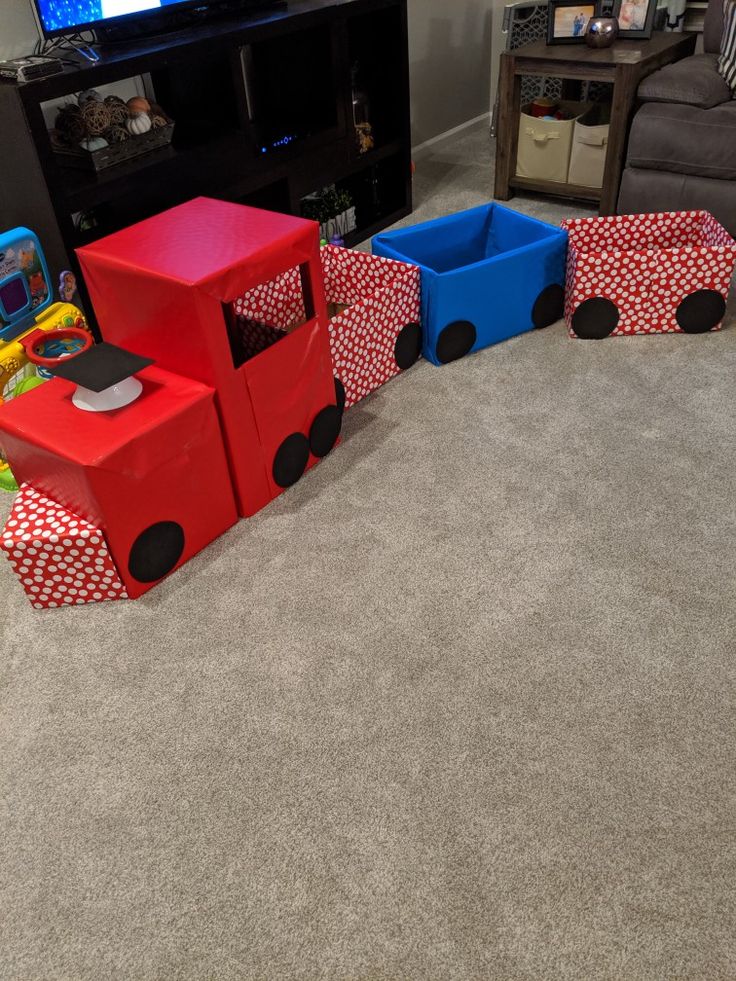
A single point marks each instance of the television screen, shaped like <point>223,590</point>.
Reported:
<point>60,16</point>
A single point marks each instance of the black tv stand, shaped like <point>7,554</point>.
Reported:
<point>263,112</point>
<point>172,20</point>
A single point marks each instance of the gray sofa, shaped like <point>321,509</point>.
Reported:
<point>682,146</point>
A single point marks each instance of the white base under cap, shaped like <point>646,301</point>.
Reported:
<point>114,397</point>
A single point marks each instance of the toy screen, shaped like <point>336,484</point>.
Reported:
<point>14,296</point>
<point>65,15</point>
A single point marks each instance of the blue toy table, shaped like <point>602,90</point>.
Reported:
<point>487,274</point>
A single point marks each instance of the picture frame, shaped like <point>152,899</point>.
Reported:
<point>568,19</point>
<point>635,18</point>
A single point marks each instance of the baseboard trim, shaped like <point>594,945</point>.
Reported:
<point>417,151</point>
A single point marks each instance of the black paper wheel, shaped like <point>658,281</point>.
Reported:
<point>595,318</point>
<point>408,345</point>
<point>549,306</point>
<point>156,551</point>
<point>455,341</point>
<point>290,460</point>
<point>324,430</point>
<point>700,311</point>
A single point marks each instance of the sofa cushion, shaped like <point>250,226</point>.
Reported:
<point>693,81</point>
<point>685,140</point>
<point>713,28</point>
<point>654,190</point>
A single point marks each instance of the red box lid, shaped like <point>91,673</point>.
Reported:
<point>220,247</point>
<point>47,418</point>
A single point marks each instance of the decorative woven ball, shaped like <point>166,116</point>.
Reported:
<point>70,124</point>
<point>89,95</point>
<point>96,117</point>
<point>138,104</point>
<point>158,121</point>
<point>116,134</point>
<point>117,109</point>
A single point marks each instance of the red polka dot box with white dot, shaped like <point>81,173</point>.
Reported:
<point>60,558</point>
<point>374,329</point>
<point>647,274</point>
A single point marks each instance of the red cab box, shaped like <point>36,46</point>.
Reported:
<point>59,558</point>
<point>152,477</point>
<point>647,274</point>
<point>374,306</point>
<point>165,289</point>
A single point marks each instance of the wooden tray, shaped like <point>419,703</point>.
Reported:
<point>116,153</point>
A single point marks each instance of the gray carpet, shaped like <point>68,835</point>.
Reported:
<point>459,705</point>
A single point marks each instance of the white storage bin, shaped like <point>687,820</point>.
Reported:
<point>544,144</point>
<point>589,146</point>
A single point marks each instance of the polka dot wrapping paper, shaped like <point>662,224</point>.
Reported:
<point>382,297</point>
<point>60,558</point>
<point>647,274</point>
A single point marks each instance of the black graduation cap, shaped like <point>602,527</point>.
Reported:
<point>100,367</point>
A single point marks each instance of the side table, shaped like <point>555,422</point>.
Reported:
<point>625,64</point>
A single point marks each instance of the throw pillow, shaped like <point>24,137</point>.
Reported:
<point>727,60</point>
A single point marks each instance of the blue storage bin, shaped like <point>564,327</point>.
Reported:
<point>487,274</point>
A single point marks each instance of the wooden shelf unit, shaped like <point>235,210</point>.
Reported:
<point>625,63</point>
<point>235,87</point>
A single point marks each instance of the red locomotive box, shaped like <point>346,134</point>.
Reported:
<point>151,476</point>
<point>181,272</point>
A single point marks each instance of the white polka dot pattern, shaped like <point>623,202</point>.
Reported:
<point>383,296</point>
<point>279,302</point>
<point>646,265</point>
<point>60,558</point>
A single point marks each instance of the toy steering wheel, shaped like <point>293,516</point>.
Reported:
<point>46,347</point>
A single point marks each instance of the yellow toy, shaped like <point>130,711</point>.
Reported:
<point>26,307</point>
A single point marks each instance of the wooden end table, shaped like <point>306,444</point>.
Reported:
<point>625,64</point>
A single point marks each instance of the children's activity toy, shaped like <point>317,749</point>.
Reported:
<point>487,274</point>
<point>241,343</point>
<point>647,274</point>
<point>32,326</point>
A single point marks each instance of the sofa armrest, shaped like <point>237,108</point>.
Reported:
<point>694,81</point>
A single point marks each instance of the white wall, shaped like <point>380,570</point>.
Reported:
<point>450,59</point>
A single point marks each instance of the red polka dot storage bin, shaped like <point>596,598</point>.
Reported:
<point>374,327</point>
<point>60,558</point>
<point>647,274</point>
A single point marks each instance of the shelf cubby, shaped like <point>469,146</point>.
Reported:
<point>263,115</point>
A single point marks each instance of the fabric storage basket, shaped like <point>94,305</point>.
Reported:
<point>589,146</point>
<point>545,144</point>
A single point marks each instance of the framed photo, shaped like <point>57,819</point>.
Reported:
<point>568,19</point>
<point>635,18</point>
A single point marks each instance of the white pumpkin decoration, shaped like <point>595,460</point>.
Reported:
<point>139,124</point>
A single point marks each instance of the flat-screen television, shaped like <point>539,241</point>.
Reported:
<point>69,16</point>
